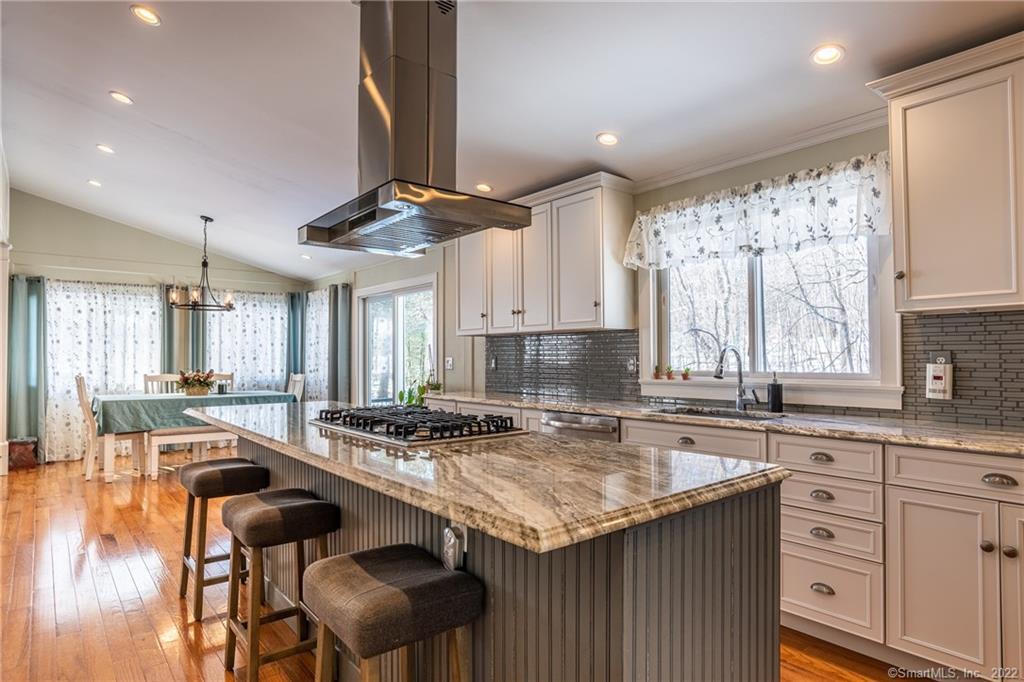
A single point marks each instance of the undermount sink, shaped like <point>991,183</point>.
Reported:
<point>719,412</point>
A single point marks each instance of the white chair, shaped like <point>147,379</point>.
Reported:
<point>296,385</point>
<point>160,383</point>
<point>92,452</point>
<point>197,437</point>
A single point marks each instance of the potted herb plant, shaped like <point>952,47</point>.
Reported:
<point>195,382</point>
<point>657,371</point>
<point>669,373</point>
<point>686,374</point>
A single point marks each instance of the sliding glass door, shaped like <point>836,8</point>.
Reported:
<point>399,342</point>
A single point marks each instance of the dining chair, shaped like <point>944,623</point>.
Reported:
<point>160,383</point>
<point>296,385</point>
<point>92,452</point>
<point>226,377</point>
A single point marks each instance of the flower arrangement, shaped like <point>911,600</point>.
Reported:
<point>195,382</point>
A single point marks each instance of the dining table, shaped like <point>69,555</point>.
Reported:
<point>133,413</point>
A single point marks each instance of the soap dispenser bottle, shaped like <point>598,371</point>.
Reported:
<point>775,394</point>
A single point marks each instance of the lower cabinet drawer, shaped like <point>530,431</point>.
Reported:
<point>835,590</point>
<point>439,404</point>
<point>987,476</point>
<point>853,537</point>
<point>706,440</point>
<point>480,410</point>
<point>834,495</point>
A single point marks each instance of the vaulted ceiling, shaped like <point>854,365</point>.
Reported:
<point>246,111</point>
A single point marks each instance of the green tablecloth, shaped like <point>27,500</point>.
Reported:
<point>145,412</point>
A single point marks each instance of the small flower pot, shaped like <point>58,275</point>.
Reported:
<point>670,375</point>
<point>685,376</point>
<point>197,390</point>
<point>657,375</point>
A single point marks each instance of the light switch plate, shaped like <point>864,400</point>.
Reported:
<point>449,363</point>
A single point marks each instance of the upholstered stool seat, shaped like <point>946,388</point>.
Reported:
<point>223,477</point>
<point>203,481</point>
<point>267,519</point>
<point>276,517</point>
<point>386,598</point>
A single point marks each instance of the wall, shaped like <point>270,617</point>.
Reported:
<point>61,242</point>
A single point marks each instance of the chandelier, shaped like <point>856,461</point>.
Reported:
<point>200,297</point>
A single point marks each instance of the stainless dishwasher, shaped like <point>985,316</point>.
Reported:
<point>580,426</point>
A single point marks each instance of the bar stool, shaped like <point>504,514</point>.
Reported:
<point>268,519</point>
<point>391,597</point>
<point>206,480</point>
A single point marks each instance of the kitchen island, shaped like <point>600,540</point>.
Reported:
<point>602,561</point>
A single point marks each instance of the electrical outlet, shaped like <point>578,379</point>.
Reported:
<point>449,363</point>
<point>494,362</point>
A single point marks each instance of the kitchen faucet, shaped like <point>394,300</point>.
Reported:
<point>741,392</point>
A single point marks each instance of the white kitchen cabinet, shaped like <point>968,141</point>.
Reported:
<point>942,578</point>
<point>957,148</point>
<point>471,284</point>
<point>534,252</point>
<point>502,281</point>
<point>1011,531</point>
<point>707,440</point>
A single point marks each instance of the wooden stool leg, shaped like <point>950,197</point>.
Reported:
<point>200,576</point>
<point>406,667</point>
<point>321,547</point>
<point>302,625</point>
<point>369,669</point>
<point>233,571</point>
<point>459,660</point>
<point>190,511</point>
<point>325,642</point>
<point>255,599</point>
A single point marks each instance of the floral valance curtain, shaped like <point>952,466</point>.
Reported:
<point>838,202</point>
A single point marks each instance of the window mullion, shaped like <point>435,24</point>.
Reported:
<point>756,355</point>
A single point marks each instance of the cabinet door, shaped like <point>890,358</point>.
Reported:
<point>1011,531</point>
<point>535,272</point>
<point>471,284</point>
<point>576,252</point>
<point>942,587</point>
<point>957,165</point>
<point>502,278</point>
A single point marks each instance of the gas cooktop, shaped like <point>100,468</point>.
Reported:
<point>409,425</point>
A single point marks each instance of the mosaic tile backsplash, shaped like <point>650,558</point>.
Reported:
<point>987,350</point>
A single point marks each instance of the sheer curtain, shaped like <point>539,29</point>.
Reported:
<point>318,338</point>
<point>251,341</point>
<point>109,333</point>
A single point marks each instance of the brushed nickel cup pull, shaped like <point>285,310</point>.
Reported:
<point>987,546</point>
<point>686,440</point>
<point>900,274</point>
<point>822,588</point>
<point>1009,552</point>
<point>823,495</point>
<point>823,457</point>
<point>820,532</point>
<point>1000,480</point>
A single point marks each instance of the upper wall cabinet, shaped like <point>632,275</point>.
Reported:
<point>563,272</point>
<point>956,131</point>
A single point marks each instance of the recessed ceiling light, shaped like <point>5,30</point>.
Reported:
<point>483,187</point>
<point>95,183</point>
<point>827,54</point>
<point>146,15</point>
<point>305,256</point>
<point>121,97</point>
<point>106,149</point>
<point>608,139</point>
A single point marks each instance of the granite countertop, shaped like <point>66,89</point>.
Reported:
<point>536,491</point>
<point>891,431</point>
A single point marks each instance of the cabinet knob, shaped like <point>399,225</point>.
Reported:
<point>597,303</point>
<point>1009,552</point>
<point>686,440</point>
<point>823,457</point>
<point>1000,480</point>
<point>987,546</point>
<point>823,495</point>
<point>822,588</point>
<point>482,315</point>
<point>824,533</point>
<point>900,274</point>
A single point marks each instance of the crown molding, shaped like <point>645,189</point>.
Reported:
<point>592,181</point>
<point>870,120</point>
<point>960,64</point>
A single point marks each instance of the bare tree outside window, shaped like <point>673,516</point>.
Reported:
<point>708,309</point>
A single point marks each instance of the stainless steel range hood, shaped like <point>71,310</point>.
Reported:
<point>407,103</point>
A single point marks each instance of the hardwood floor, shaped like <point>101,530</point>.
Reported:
<point>89,588</point>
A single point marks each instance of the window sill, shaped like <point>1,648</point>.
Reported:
<point>867,394</point>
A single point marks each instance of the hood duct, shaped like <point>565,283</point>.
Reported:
<point>407,114</point>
